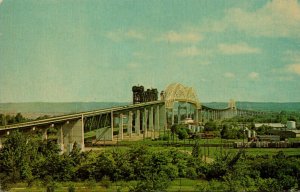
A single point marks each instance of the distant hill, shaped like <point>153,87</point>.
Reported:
<point>259,106</point>
<point>36,109</point>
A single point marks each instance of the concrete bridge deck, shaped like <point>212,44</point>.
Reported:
<point>75,116</point>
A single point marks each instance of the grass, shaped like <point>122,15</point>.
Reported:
<point>180,184</point>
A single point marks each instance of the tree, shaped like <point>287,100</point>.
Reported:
<point>196,152</point>
<point>210,126</point>
<point>183,133</point>
<point>105,166</point>
<point>17,157</point>
<point>19,118</point>
<point>174,129</point>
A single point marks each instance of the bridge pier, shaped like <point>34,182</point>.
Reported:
<point>60,138</point>
<point>145,119</point>
<point>112,124</point>
<point>157,118</point>
<point>137,122</point>
<point>121,126</point>
<point>44,134</point>
<point>162,117</point>
<point>129,126</point>
<point>151,127</point>
<point>71,132</point>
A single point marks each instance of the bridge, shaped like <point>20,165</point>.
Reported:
<point>177,103</point>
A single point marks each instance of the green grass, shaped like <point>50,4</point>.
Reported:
<point>180,184</point>
<point>183,184</point>
<point>294,139</point>
<point>271,151</point>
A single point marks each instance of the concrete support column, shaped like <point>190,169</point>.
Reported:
<point>121,126</point>
<point>162,117</point>
<point>60,139</point>
<point>78,133</point>
<point>112,124</point>
<point>151,124</point>
<point>157,118</point>
<point>44,134</point>
<point>129,126</point>
<point>137,122</point>
<point>145,115</point>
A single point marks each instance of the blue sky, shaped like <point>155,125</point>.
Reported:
<point>95,50</point>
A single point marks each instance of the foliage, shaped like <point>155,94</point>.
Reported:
<point>210,126</point>
<point>27,159</point>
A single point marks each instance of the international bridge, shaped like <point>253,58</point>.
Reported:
<point>176,105</point>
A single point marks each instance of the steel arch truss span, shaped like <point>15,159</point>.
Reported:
<point>178,92</point>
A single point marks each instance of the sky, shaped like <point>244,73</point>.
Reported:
<point>96,50</point>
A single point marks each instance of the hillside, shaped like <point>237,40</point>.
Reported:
<point>259,106</point>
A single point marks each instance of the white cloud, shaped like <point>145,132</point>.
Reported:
<point>123,35</point>
<point>253,75</point>
<point>239,48</point>
<point>175,37</point>
<point>193,51</point>
<point>278,18</point>
<point>1,1</point>
<point>229,75</point>
<point>189,52</point>
<point>294,68</point>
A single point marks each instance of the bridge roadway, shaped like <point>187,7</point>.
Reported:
<point>75,116</point>
<point>79,115</point>
<point>149,116</point>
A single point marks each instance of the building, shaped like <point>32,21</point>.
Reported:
<point>273,125</point>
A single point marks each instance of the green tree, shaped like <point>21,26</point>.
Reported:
<point>183,133</point>
<point>210,126</point>
<point>19,118</point>
<point>174,130</point>
<point>17,157</point>
<point>196,152</point>
<point>105,166</point>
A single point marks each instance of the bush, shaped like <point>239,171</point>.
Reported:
<point>71,188</point>
<point>191,173</point>
<point>164,137</point>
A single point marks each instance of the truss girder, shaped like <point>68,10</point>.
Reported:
<point>178,92</point>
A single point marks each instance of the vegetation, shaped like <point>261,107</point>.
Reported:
<point>140,168</point>
<point>155,165</point>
